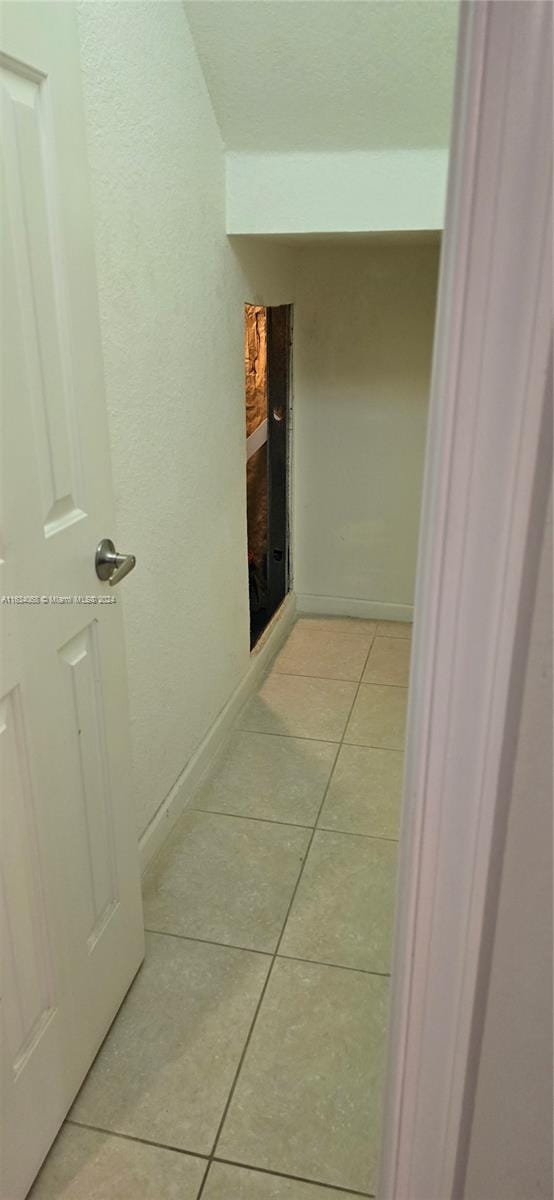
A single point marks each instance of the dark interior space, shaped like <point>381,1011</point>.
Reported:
<point>267,372</point>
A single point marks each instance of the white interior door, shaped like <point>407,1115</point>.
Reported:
<point>72,937</point>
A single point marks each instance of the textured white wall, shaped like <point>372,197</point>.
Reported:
<point>510,1154</point>
<point>171,291</point>
<point>377,191</point>
<point>363,340</point>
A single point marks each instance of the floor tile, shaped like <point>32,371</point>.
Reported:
<point>166,1068</point>
<point>290,704</point>
<point>378,717</point>
<point>226,879</point>
<point>226,1182</point>
<point>308,1098</point>
<point>365,792</point>
<point>389,661</point>
<point>277,778</point>
<point>321,653</point>
<point>399,629</point>
<point>344,908</point>
<point>85,1165</point>
<point>353,626</point>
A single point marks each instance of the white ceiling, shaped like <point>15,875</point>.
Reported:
<point>327,75</point>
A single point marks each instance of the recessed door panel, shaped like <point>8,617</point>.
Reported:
<point>30,1002</point>
<point>91,776</point>
<point>32,211</point>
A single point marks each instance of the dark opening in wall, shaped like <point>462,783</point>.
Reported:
<point>267,385</point>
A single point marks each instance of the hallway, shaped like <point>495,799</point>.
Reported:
<point>254,1032</point>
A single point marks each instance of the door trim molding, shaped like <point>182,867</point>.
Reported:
<point>485,454</point>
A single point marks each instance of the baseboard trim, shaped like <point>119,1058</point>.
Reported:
<point>345,606</point>
<point>199,764</point>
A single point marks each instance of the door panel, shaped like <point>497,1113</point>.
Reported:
<point>71,904</point>
<point>31,1000</point>
<point>33,214</point>
<point>91,778</point>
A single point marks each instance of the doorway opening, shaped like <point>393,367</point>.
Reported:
<point>267,347</point>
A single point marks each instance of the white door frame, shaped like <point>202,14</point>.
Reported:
<point>488,467</point>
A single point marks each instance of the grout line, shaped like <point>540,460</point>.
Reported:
<point>217,812</point>
<point>230,1162</point>
<point>336,679</point>
<point>373,837</point>
<point>366,746</point>
<point>298,737</point>
<point>142,1141</point>
<point>235,1078</point>
<point>340,679</point>
<point>316,962</point>
<point>360,639</point>
<point>130,1137</point>
<point>277,948</point>
<point>207,1171</point>
<point>264,988</point>
<point>370,837</point>
<point>190,937</point>
<point>403,687</point>
<point>308,675</point>
<point>361,635</point>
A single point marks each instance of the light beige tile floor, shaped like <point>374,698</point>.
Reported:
<point>166,1067</point>
<point>389,661</point>
<point>85,1164</point>
<point>322,654</point>
<point>272,778</point>
<point>364,630</point>
<point>343,908</point>
<point>364,792</point>
<point>378,717</point>
<point>226,879</point>
<point>398,629</point>
<point>228,1182</point>
<point>255,1029</point>
<point>308,1095</point>
<point>293,704</point>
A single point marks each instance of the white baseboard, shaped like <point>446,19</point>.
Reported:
<point>344,606</point>
<point>193,774</point>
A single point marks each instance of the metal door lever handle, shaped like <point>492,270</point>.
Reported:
<point>110,566</point>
